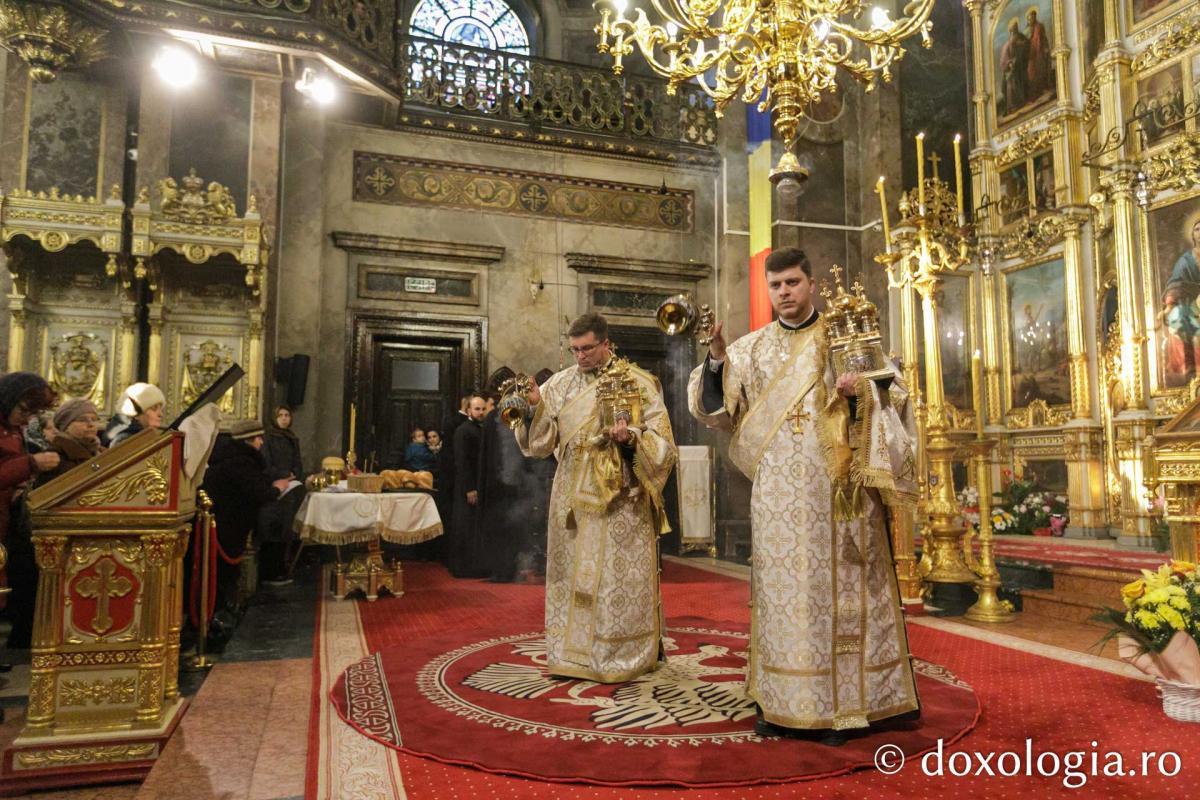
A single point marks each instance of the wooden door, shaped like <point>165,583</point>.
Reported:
<point>405,371</point>
<point>414,386</point>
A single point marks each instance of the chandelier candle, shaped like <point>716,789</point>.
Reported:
<point>958,184</point>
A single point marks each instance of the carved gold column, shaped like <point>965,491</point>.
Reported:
<point>174,617</point>
<point>160,551</point>
<point>154,350</point>
<point>47,632</point>
<point>980,99</point>
<point>16,340</point>
<point>255,370</point>
<point>1134,423</point>
<point>1085,457</point>
<point>127,364</point>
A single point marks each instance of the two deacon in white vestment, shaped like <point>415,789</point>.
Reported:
<point>828,648</point>
<point>603,610</point>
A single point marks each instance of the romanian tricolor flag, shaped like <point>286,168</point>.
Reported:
<point>758,143</point>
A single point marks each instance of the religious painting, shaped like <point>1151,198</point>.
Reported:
<point>63,129</point>
<point>1091,21</point>
<point>1036,336</point>
<point>1144,10</point>
<point>955,314</point>
<point>1175,237</point>
<point>1044,189</point>
<point>1022,41</point>
<point>1049,476</point>
<point>1014,193</point>
<point>1159,107</point>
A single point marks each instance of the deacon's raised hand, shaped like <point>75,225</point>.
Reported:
<point>535,394</point>
<point>847,385</point>
<point>716,348</point>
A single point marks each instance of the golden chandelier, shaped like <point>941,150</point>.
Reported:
<point>782,54</point>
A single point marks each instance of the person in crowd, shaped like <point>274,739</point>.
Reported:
<point>139,407</point>
<point>23,395</point>
<point>239,486</point>
<point>281,447</point>
<point>76,438</point>
<point>433,440</point>
<point>417,456</point>
<point>274,534</point>
<point>465,549</point>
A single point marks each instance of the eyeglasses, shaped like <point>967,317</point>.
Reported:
<point>584,350</point>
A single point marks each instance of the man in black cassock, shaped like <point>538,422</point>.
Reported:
<point>465,549</point>
<point>515,500</point>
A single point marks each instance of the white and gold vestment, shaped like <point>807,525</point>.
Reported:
<point>603,610</point>
<point>828,645</point>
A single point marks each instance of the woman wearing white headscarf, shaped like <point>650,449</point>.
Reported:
<point>140,407</point>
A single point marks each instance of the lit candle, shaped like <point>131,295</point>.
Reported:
<point>958,184</point>
<point>921,172</point>
<point>977,392</point>
<point>353,418</point>
<point>887,235</point>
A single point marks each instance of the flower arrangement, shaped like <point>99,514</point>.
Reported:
<point>1021,506</point>
<point>1159,627</point>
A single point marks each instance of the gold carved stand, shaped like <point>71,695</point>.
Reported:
<point>109,536</point>
<point>369,573</point>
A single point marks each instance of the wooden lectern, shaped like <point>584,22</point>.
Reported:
<point>109,537</point>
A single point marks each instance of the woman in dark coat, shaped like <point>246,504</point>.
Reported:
<point>274,535</point>
<point>22,395</point>
<point>281,447</point>
<point>238,484</point>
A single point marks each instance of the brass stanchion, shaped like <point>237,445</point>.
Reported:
<point>202,661</point>
<point>988,607</point>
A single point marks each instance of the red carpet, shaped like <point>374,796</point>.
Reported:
<point>489,704</point>
<point>1062,708</point>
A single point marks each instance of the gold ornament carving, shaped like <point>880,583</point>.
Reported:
<point>93,659</point>
<point>78,364</point>
<point>1180,34</point>
<point>151,481</point>
<point>69,756</point>
<point>114,691</point>
<point>48,38</point>
<point>1032,236</point>
<point>444,184</point>
<point>203,363</point>
<point>160,547</point>
<point>194,204</point>
<point>49,550</point>
<point>1038,415</point>
<point>1178,167</point>
<point>1029,142</point>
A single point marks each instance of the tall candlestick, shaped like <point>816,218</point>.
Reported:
<point>353,419</point>
<point>921,172</point>
<point>977,392</point>
<point>958,184</point>
<point>887,234</point>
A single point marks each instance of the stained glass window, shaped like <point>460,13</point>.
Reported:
<point>490,24</point>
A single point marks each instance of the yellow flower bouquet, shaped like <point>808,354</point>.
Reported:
<point>1159,628</point>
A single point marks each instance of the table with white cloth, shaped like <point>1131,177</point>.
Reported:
<point>347,518</point>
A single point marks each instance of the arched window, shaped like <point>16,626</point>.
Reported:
<point>490,24</point>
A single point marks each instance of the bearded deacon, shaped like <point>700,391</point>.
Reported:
<point>605,422</point>
<point>828,647</point>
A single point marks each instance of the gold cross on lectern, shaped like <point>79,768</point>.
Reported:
<point>798,415</point>
<point>102,587</point>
